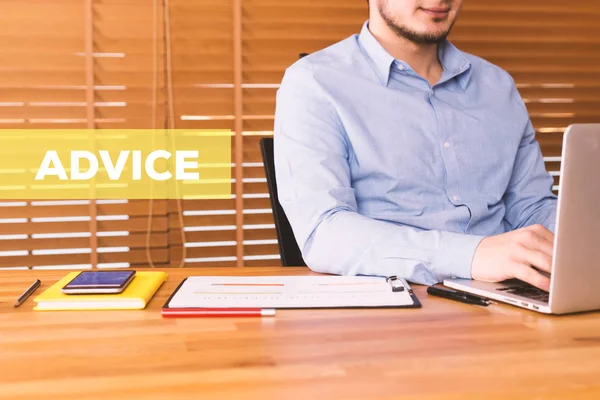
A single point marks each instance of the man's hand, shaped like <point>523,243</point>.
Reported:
<point>513,254</point>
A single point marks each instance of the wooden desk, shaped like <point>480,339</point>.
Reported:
<point>446,349</point>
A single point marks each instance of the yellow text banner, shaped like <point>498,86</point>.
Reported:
<point>115,164</point>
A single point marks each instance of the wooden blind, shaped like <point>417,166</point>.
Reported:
<point>223,61</point>
<point>44,83</point>
<point>202,42</point>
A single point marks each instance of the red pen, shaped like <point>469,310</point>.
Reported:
<point>217,312</point>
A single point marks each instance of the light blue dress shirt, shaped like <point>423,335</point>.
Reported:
<point>382,174</point>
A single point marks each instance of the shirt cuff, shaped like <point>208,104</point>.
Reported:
<point>455,255</point>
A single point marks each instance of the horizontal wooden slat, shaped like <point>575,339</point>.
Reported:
<point>250,204</point>
<point>136,224</point>
<point>211,124</point>
<point>220,220</point>
<point>260,234</point>
<point>128,123</point>
<point>203,220</point>
<point>203,236</point>
<point>221,236</point>
<point>205,205</point>
<point>211,264</point>
<point>205,252</point>
<point>582,79</point>
<point>259,125</point>
<point>575,94</point>
<point>258,219</point>
<point>262,263</point>
<point>551,144</point>
<point>132,208</point>
<point>38,76</point>
<point>217,205</point>
<point>32,112</point>
<point>550,6</point>
<point>157,239</point>
<point>261,249</point>
<point>580,108</point>
<point>133,257</point>
<point>67,94</point>
<point>254,171</point>
<point>258,187</point>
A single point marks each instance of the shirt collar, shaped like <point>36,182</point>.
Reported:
<point>380,59</point>
<point>455,64</point>
<point>453,61</point>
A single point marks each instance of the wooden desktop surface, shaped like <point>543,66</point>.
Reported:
<point>443,350</point>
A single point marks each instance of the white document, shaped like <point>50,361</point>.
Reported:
<point>288,292</point>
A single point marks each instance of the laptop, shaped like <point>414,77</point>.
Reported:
<point>575,278</point>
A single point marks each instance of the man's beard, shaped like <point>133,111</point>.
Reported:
<point>415,37</point>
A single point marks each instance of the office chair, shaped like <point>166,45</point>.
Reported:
<point>288,247</point>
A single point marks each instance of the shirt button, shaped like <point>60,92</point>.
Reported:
<point>455,198</point>
<point>446,145</point>
<point>401,67</point>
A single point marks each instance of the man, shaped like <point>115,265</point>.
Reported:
<point>398,154</point>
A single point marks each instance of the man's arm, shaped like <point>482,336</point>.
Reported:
<point>530,216</point>
<point>314,184</point>
<point>529,199</point>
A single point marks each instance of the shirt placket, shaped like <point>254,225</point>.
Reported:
<point>448,151</point>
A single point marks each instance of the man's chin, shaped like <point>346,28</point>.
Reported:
<point>429,38</point>
<point>431,34</point>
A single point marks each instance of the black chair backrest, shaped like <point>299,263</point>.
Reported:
<point>288,247</point>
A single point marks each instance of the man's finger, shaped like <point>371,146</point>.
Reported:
<point>536,259</point>
<point>544,233</point>
<point>531,276</point>
<point>535,238</point>
<point>541,245</point>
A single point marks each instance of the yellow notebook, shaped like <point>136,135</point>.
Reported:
<point>134,297</point>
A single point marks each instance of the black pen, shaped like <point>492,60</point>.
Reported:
<point>28,292</point>
<point>458,296</point>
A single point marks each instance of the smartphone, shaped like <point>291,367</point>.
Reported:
<point>99,282</point>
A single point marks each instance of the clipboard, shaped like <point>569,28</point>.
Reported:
<point>292,292</point>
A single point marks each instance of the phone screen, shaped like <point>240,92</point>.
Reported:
<point>100,279</point>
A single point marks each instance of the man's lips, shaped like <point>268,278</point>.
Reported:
<point>436,12</point>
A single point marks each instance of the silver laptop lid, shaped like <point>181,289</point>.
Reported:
<point>576,270</point>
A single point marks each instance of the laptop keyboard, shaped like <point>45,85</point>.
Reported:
<point>525,290</point>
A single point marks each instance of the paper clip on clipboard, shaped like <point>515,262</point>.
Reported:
<point>398,284</point>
